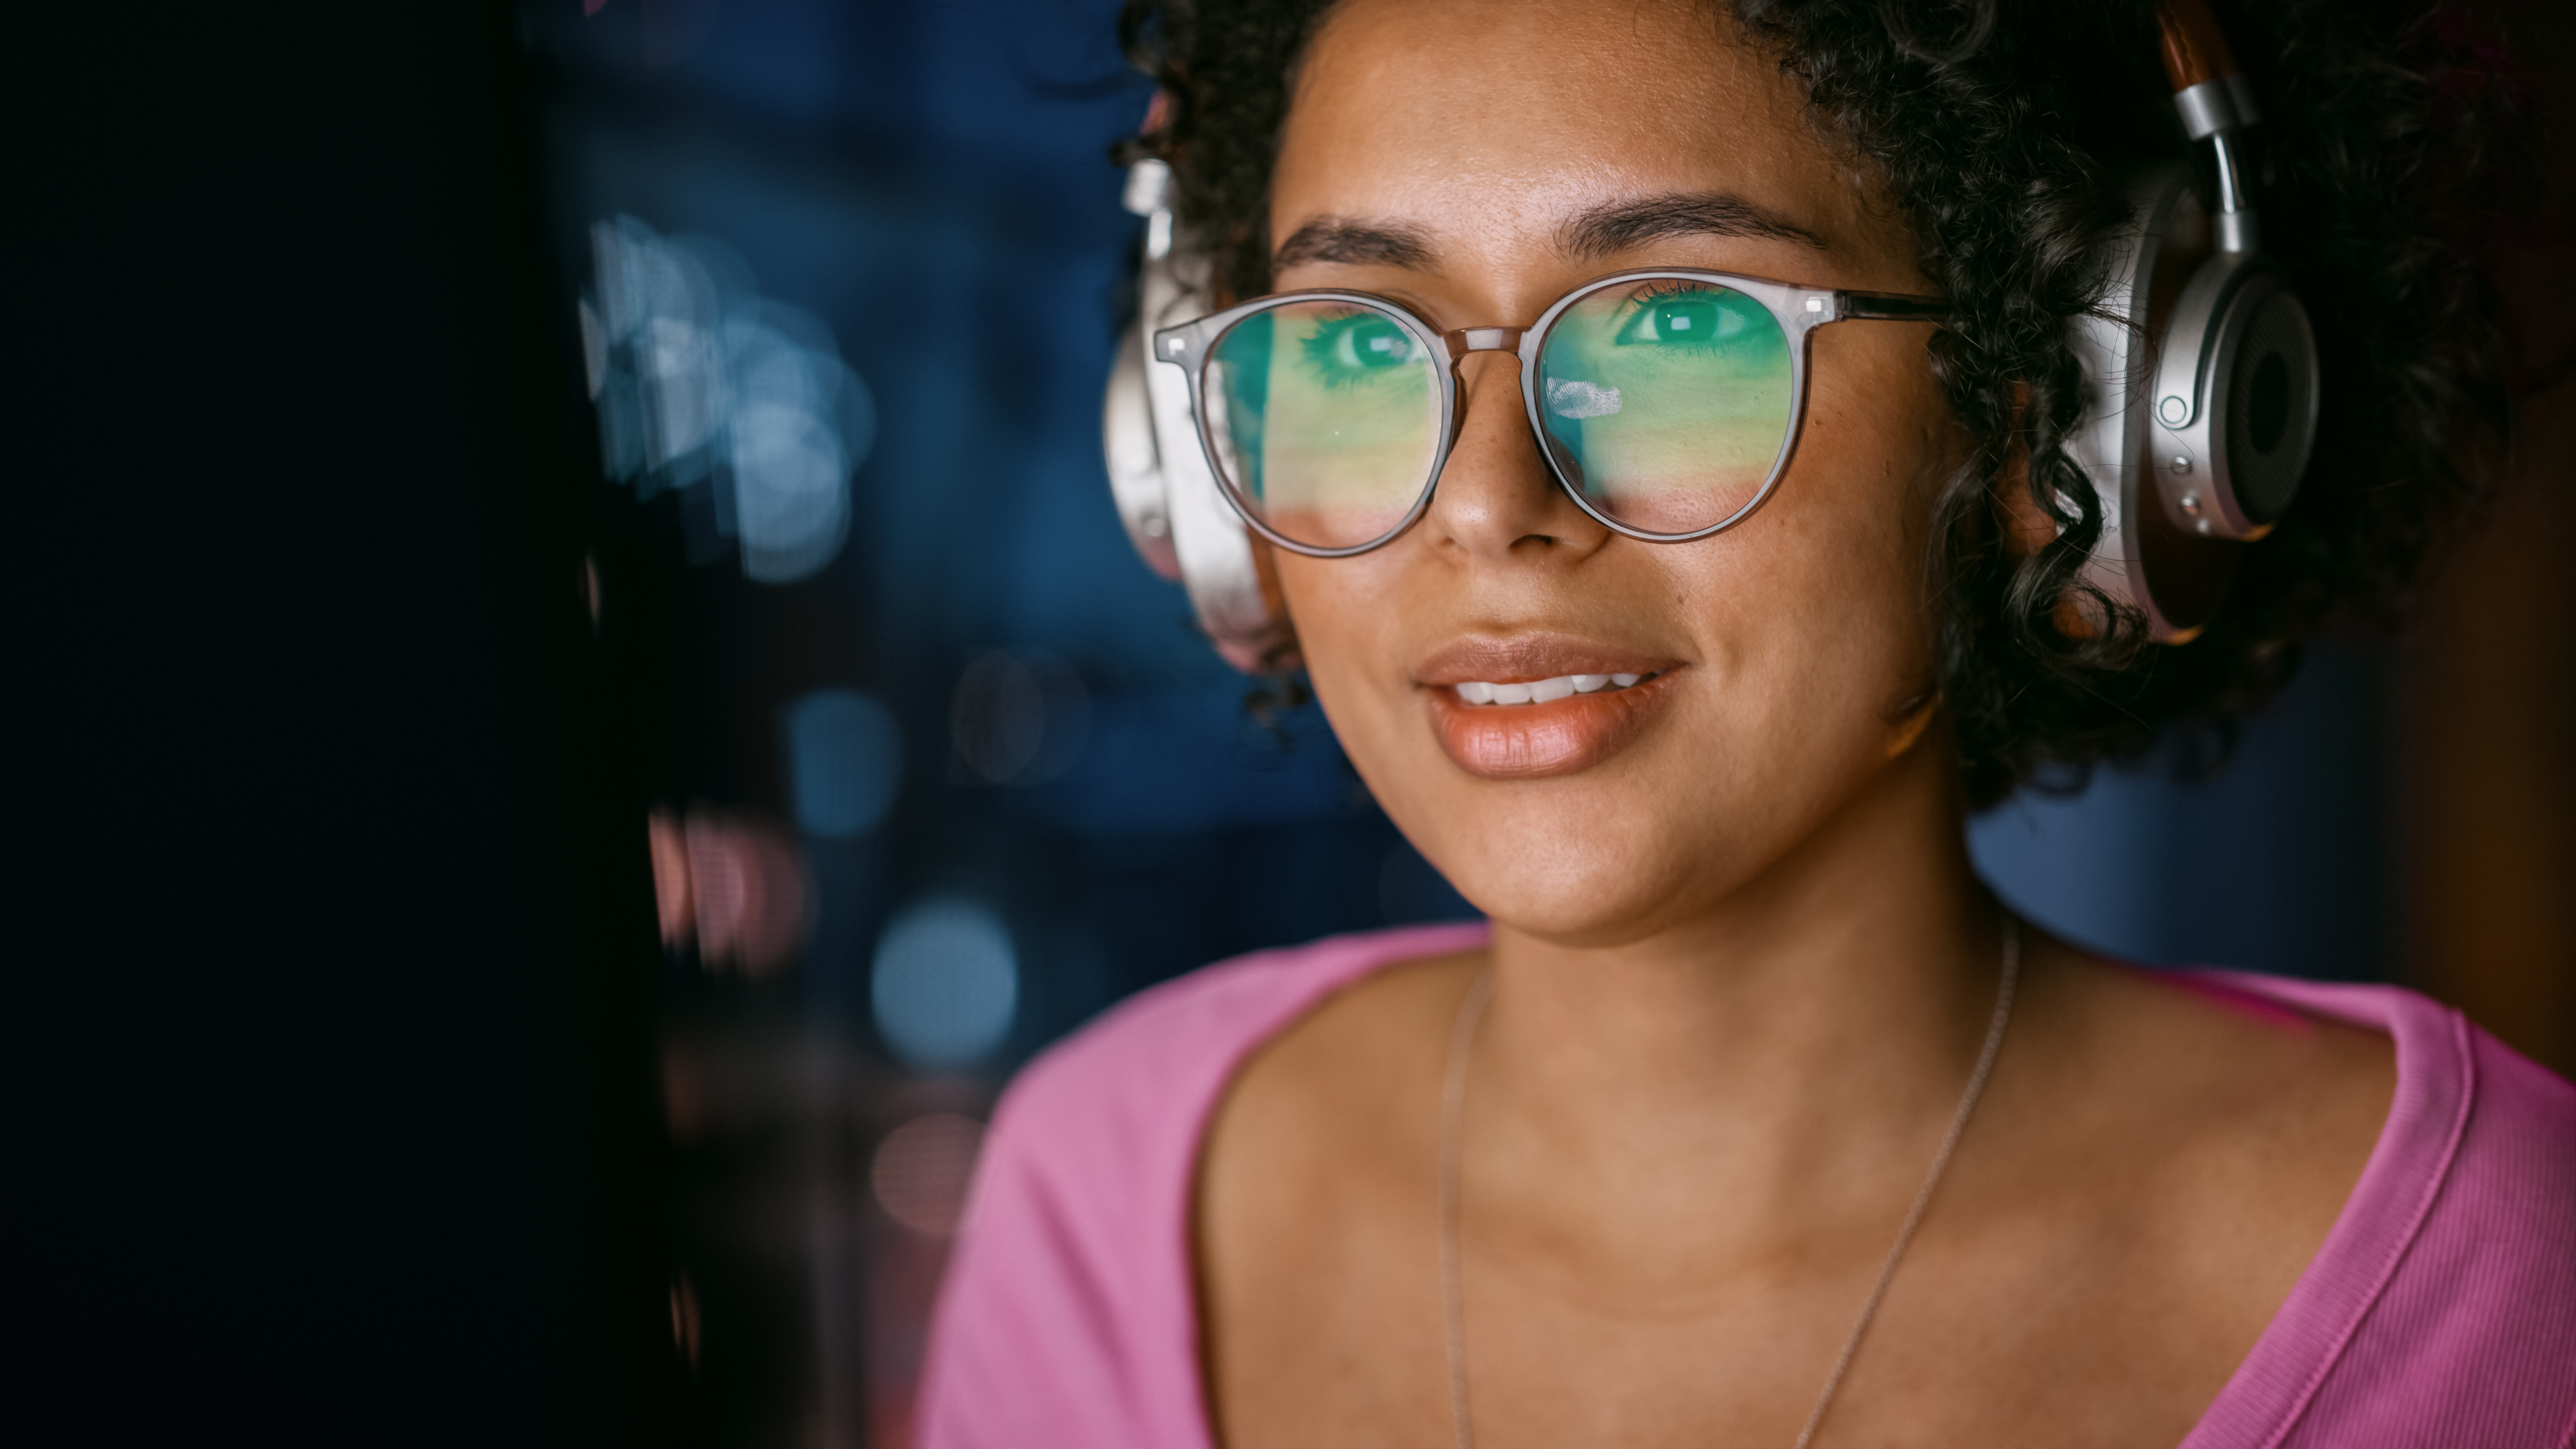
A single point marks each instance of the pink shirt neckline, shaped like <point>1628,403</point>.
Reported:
<point>2436,1081</point>
<point>1071,1302</point>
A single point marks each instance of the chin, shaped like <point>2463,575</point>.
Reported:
<point>1543,874</point>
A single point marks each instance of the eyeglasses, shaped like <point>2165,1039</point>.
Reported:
<point>1667,403</point>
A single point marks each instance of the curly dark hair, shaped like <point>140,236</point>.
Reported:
<point>2002,129</point>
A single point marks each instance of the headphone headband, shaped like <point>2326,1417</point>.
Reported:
<point>2195,49</point>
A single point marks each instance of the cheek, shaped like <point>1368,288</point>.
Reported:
<point>1823,596</point>
<point>1345,612</point>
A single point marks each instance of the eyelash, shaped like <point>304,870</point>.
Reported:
<point>1317,350</point>
<point>1664,289</point>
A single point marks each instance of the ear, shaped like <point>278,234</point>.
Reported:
<point>1908,720</point>
<point>2027,528</point>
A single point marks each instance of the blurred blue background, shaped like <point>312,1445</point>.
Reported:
<point>931,183</point>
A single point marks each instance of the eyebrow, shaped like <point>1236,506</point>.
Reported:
<point>1604,230</point>
<point>1617,226</point>
<point>1361,243</point>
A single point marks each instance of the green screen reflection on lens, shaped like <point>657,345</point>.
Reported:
<point>1667,401</point>
<point>1326,419</point>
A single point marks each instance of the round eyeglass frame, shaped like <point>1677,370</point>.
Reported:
<point>1798,310</point>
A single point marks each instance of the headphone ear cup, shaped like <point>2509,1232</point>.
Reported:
<point>1175,514</point>
<point>1135,463</point>
<point>2114,344</point>
<point>2235,400</point>
<point>2266,365</point>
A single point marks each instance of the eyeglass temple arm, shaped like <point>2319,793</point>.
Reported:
<point>1888,307</point>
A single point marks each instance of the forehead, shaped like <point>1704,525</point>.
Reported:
<point>1487,124</point>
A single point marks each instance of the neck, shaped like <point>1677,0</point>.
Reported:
<point>1832,1003</point>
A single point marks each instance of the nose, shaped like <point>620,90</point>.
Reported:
<point>1496,497</point>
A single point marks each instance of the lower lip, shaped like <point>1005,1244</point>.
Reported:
<point>1533,741</point>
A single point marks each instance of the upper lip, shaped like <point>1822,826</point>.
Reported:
<point>1524,656</point>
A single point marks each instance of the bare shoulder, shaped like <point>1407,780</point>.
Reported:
<point>1374,1017</point>
<point>1314,1189</point>
<point>2213,1134</point>
<point>2230,1070</point>
<point>1343,1070</point>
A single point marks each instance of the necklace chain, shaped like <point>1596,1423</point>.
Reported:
<point>1453,1111</point>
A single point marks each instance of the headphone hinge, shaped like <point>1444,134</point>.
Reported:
<point>2224,104</point>
<point>2238,233</point>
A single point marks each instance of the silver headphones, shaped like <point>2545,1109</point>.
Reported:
<point>2202,366</point>
<point>1175,513</point>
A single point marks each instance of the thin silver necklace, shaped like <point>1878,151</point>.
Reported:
<point>1453,1111</point>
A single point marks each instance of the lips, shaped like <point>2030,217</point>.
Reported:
<point>1528,706</point>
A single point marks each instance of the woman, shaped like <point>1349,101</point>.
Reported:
<point>1752,1118</point>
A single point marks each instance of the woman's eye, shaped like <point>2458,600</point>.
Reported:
<point>1349,348</point>
<point>1372,343</point>
<point>1684,319</point>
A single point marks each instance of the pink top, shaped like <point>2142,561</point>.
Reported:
<point>2441,1309</point>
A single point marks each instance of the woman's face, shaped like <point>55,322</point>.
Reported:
<point>1476,160</point>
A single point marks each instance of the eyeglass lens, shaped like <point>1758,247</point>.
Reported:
<point>1325,418</point>
<point>1666,403</point>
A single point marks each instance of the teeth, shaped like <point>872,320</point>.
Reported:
<point>1543,690</point>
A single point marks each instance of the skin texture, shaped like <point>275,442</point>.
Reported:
<point>1742,966</point>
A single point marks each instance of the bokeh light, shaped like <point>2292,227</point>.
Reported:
<point>700,381</point>
<point>922,1171</point>
<point>945,983</point>
<point>1019,717</point>
<point>844,762</point>
<point>729,886</point>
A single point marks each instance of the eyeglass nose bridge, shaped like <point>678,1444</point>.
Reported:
<point>1464,340</point>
